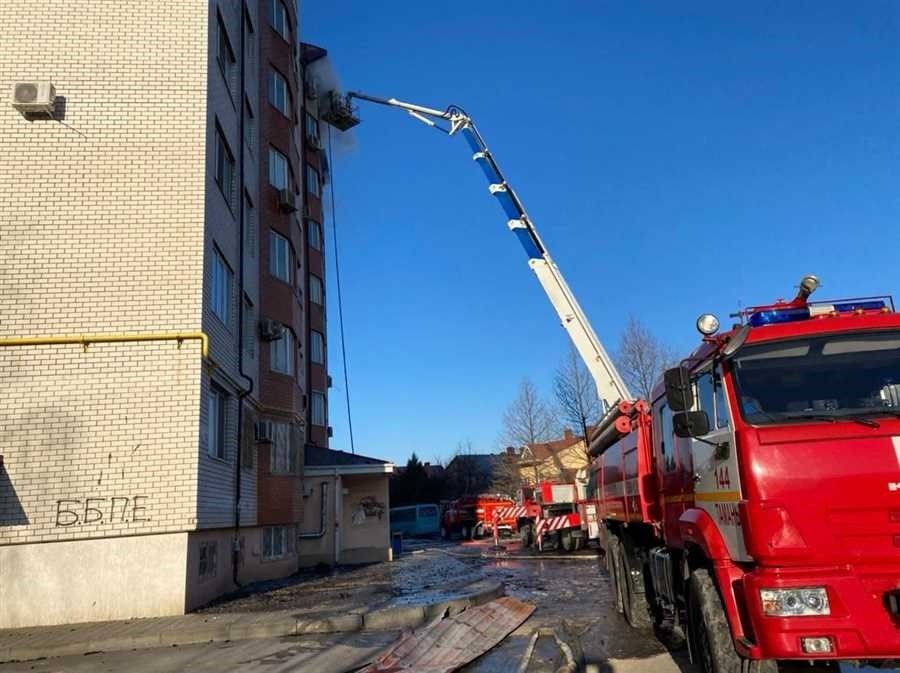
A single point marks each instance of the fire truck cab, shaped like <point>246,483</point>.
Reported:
<point>757,497</point>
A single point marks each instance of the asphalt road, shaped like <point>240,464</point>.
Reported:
<point>571,596</point>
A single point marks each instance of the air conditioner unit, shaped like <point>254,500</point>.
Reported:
<point>330,382</point>
<point>264,431</point>
<point>286,201</point>
<point>270,330</point>
<point>330,431</point>
<point>34,97</point>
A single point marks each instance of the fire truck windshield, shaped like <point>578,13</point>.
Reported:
<point>828,377</point>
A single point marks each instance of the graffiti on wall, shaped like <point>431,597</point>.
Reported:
<point>118,509</point>
<point>367,508</point>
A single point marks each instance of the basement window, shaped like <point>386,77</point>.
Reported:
<point>208,560</point>
<point>278,542</point>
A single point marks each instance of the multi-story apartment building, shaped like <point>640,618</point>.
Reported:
<point>160,288</point>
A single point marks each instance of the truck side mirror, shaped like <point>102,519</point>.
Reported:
<point>690,423</point>
<point>679,392</point>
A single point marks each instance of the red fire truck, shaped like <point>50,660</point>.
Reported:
<point>546,518</point>
<point>472,516</point>
<point>756,498</point>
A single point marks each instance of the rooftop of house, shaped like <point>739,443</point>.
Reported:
<point>545,450</point>
<point>318,456</point>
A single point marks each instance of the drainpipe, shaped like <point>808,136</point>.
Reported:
<point>236,544</point>
<point>323,516</point>
<point>338,515</point>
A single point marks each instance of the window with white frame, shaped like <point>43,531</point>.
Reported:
<point>285,454</point>
<point>224,165</point>
<point>222,282</point>
<point>316,290</point>
<point>312,127</point>
<point>278,542</point>
<point>279,169</point>
<point>216,421</point>
<point>317,347</point>
<point>281,21</point>
<point>208,561</point>
<point>312,181</point>
<point>280,257</point>
<point>314,234</point>
<point>279,95</point>
<point>317,402</point>
<point>281,355</point>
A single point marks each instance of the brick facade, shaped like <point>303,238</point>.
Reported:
<point>113,220</point>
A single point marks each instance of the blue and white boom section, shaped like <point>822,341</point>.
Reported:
<point>611,388</point>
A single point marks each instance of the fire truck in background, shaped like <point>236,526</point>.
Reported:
<point>755,498</point>
<point>546,518</point>
<point>473,516</point>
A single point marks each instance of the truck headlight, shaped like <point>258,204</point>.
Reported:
<point>795,602</point>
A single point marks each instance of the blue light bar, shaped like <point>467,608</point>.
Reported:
<point>851,306</point>
<point>776,316</point>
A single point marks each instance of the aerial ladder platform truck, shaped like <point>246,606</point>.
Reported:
<point>753,502</point>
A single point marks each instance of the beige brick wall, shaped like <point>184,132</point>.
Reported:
<point>102,220</point>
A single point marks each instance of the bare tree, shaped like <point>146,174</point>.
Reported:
<point>507,475</point>
<point>576,394</point>
<point>642,358</point>
<point>528,420</point>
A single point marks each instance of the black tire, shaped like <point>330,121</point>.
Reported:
<point>709,635</point>
<point>567,542</point>
<point>525,535</point>
<point>478,532</point>
<point>634,605</point>
<point>612,556</point>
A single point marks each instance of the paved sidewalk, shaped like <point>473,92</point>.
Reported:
<point>343,602</point>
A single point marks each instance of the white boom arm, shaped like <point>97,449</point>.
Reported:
<point>611,387</point>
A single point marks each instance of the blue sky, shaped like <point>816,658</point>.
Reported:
<point>675,160</point>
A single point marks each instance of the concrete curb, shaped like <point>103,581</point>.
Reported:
<point>196,629</point>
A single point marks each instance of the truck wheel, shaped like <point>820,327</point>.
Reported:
<point>634,605</point>
<point>709,635</point>
<point>567,542</point>
<point>478,532</point>
<point>612,555</point>
<point>525,535</point>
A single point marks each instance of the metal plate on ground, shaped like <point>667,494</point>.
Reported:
<point>453,642</point>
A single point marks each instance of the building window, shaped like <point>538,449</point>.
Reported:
<point>249,328</point>
<point>225,54</point>
<point>279,96</point>
<point>249,125</point>
<point>317,347</point>
<point>224,165</point>
<point>278,542</point>
<point>281,19</point>
<point>314,232</point>
<point>208,559</point>
<point>285,456</point>
<point>312,181</point>
<point>316,290</point>
<point>222,281</point>
<point>312,128</point>
<point>250,244</point>
<point>216,412</point>
<point>278,169</point>
<point>318,408</point>
<point>280,257</point>
<point>281,355</point>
